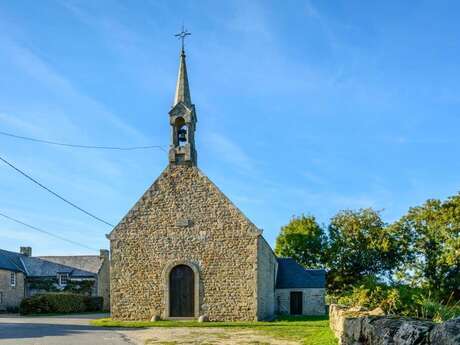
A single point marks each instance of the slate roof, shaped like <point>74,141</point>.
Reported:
<point>38,267</point>
<point>89,263</point>
<point>11,261</point>
<point>292,275</point>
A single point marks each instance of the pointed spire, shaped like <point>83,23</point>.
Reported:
<point>182,88</point>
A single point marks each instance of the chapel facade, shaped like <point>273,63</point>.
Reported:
<point>185,250</point>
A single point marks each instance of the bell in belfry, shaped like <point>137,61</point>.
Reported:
<point>181,134</point>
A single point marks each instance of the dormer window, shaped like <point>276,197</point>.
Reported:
<point>63,279</point>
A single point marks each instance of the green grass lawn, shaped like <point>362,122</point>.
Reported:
<point>312,330</point>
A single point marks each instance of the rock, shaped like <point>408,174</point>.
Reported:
<point>155,318</point>
<point>377,330</point>
<point>352,329</point>
<point>203,318</point>
<point>413,332</point>
<point>356,309</point>
<point>447,333</point>
<point>356,326</point>
<point>376,312</point>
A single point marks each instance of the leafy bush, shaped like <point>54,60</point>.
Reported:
<point>398,299</point>
<point>12,310</point>
<point>81,287</point>
<point>429,308</point>
<point>93,303</point>
<point>38,304</point>
<point>59,303</point>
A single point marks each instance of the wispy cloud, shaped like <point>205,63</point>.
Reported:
<point>227,150</point>
<point>41,71</point>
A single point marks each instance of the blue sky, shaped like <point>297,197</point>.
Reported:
<point>303,107</point>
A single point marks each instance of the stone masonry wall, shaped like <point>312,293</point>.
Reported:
<point>11,296</point>
<point>184,218</point>
<point>103,279</point>
<point>358,326</point>
<point>266,270</point>
<point>312,304</point>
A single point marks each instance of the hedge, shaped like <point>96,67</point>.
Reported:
<point>59,303</point>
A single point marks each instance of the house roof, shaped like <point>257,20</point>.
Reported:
<point>291,275</point>
<point>39,267</point>
<point>42,267</point>
<point>89,263</point>
<point>11,261</point>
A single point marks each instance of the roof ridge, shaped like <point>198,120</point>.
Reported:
<point>71,268</point>
<point>66,256</point>
<point>9,251</point>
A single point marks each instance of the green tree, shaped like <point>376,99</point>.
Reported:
<point>360,245</point>
<point>303,239</point>
<point>434,230</point>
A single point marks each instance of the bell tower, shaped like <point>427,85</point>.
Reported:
<point>182,117</point>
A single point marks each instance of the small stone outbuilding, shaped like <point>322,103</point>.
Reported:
<point>298,290</point>
<point>185,250</point>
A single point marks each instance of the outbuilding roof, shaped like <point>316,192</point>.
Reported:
<point>41,267</point>
<point>291,275</point>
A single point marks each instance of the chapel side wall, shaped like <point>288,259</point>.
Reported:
<point>266,280</point>
<point>184,219</point>
<point>12,296</point>
<point>313,301</point>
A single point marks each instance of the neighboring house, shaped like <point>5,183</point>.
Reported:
<point>185,250</point>
<point>23,275</point>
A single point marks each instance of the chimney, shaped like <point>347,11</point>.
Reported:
<point>27,251</point>
<point>104,254</point>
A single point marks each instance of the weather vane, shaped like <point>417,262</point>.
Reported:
<point>181,35</point>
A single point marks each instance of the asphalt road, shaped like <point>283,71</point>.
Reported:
<point>58,330</point>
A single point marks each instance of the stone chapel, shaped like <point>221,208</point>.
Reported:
<point>185,250</point>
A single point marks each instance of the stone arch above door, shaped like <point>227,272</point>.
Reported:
<point>165,277</point>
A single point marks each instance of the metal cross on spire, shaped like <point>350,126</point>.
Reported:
<point>182,35</point>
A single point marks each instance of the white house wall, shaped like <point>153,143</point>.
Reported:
<point>312,301</point>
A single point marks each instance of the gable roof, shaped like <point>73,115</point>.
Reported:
<point>186,180</point>
<point>88,263</point>
<point>292,275</point>
<point>38,267</point>
<point>42,267</point>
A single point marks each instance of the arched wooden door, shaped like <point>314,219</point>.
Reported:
<point>181,292</point>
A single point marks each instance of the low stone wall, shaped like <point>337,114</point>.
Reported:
<point>358,326</point>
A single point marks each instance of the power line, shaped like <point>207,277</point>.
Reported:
<point>120,148</point>
<point>54,193</point>
<point>46,232</point>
